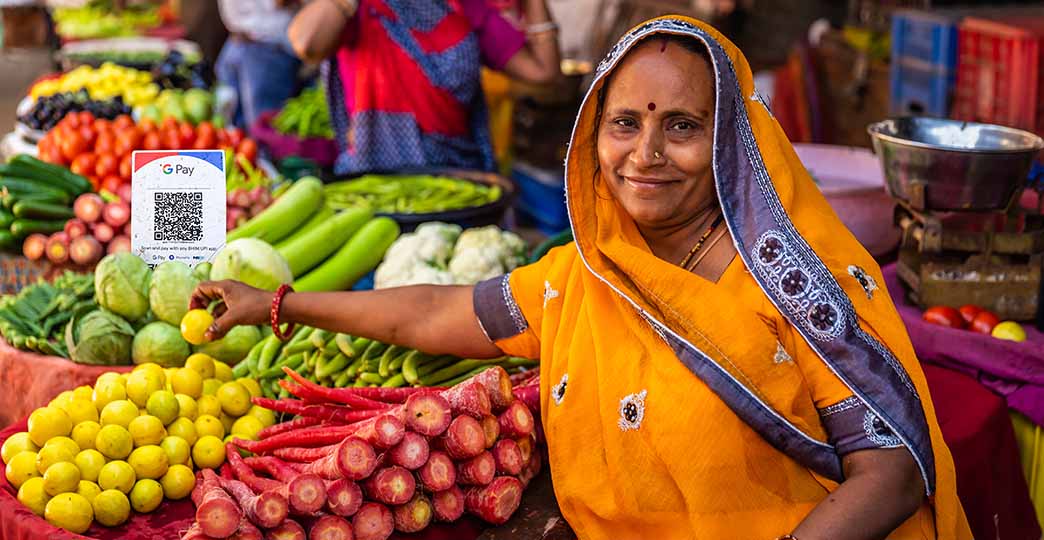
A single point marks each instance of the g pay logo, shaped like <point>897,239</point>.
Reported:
<point>167,168</point>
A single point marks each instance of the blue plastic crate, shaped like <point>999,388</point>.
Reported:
<point>541,197</point>
<point>926,36</point>
<point>919,89</point>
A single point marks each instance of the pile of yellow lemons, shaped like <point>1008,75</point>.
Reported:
<point>128,442</point>
<point>102,83</point>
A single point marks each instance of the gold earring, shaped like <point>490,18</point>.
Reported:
<point>657,155</point>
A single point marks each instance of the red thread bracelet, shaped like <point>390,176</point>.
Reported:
<point>277,303</point>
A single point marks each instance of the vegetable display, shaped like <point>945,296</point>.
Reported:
<point>419,194</point>
<point>194,106</point>
<point>389,460</point>
<point>131,441</point>
<point>98,21</point>
<point>35,198</point>
<point>441,254</point>
<point>305,116</point>
<point>47,111</point>
<point>106,82</point>
<point>35,318</point>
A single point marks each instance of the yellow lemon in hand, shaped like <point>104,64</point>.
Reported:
<point>194,326</point>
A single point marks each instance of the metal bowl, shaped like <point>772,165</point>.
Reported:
<point>950,165</point>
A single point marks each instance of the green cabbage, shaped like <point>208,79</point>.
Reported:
<point>99,338</point>
<point>161,343</point>
<point>253,262</point>
<point>234,346</point>
<point>170,289</point>
<point>121,285</point>
<point>202,271</point>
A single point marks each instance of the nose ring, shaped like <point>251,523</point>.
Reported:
<point>657,155</point>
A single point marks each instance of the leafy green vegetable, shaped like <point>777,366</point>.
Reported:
<point>161,343</point>
<point>121,285</point>
<point>99,338</point>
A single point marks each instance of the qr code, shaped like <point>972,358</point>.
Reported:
<point>179,216</point>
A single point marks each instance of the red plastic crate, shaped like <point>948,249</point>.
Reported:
<point>1000,67</point>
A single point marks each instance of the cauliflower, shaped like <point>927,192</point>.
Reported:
<point>475,264</point>
<point>424,256</point>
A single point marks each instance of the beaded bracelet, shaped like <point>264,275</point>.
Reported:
<point>277,303</point>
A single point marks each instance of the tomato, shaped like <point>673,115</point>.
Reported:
<point>186,134</point>
<point>102,124</point>
<point>247,148</point>
<point>126,167</point>
<point>968,312</point>
<point>171,140</point>
<point>222,138</point>
<point>83,165</point>
<point>943,316</point>
<point>71,119</point>
<point>147,125</point>
<point>984,322</point>
<point>123,121</point>
<point>124,146</point>
<point>111,183</point>
<point>54,155</point>
<point>205,140</point>
<point>235,136</point>
<point>105,165</point>
<point>86,118</point>
<point>104,143</point>
<point>151,141</point>
<point>88,135</point>
<point>72,145</point>
<point>168,123</point>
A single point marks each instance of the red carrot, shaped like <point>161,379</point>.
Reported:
<point>498,384</point>
<point>385,431</point>
<point>226,471</point>
<point>330,527</point>
<point>491,427</point>
<point>470,398</point>
<point>477,471</point>
<point>354,459</point>
<point>391,485</point>
<point>305,455</point>
<point>330,413</point>
<point>427,414</point>
<point>246,475</point>
<point>373,521</point>
<point>516,421</point>
<point>412,452</point>
<point>296,423</point>
<point>287,530</point>
<point>339,395</point>
<point>195,532</point>
<point>267,509</point>
<point>531,469</point>
<point>530,395</point>
<point>305,437</point>
<point>217,514</point>
<point>448,504</point>
<point>306,492</point>
<point>525,377</point>
<point>495,502</point>
<point>413,516</point>
<point>508,457</point>
<point>439,473</point>
<point>343,497</point>
<point>247,531</point>
<point>525,447</point>
<point>464,438</point>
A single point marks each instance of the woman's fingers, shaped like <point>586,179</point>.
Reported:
<point>205,293</point>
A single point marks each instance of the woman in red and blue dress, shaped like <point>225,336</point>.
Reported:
<point>403,76</point>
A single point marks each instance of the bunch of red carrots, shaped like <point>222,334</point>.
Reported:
<point>361,463</point>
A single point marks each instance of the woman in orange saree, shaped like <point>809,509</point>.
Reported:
<point>716,358</point>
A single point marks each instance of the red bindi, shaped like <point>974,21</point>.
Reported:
<point>652,106</point>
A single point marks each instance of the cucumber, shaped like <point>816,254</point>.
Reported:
<point>359,255</point>
<point>57,174</point>
<point>8,201</point>
<point>6,218</point>
<point>319,217</point>
<point>7,240</point>
<point>24,227</point>
<point>26,186</point>
<point>41,210</point>
<point>308,250</point>
<point>285,215</point>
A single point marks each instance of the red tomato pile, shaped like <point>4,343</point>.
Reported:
<point>101,149</point>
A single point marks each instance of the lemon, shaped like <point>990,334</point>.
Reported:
<point>84,433</point>
<point>178,450</point>
<point>142,383</point>
<point>194,326</point>
<point>88,489</point>
<point>183,428</point>
<point>208,404</point>
<point>149,462</point>
<point>187,407</point>
<point>146,496</point>
<point>163,405</point>
<point>51,454</point>
<point>105,392</point>
<point>61,400</point>
<point>48,422</point>
<point>64,442</point>
<point>70,511</point>
<point>202,364</point>
<point>266,416</point>
<point>178,482</point>
<point>148,366</point>
<point>33,496</point>
<point>247,427</point>
<point>222,371</point>
<point>251,386</point>
<point>114,442</point>
<point>211,386</point>
<point>62,477</point>
<point>117,475</point>
<point>81,410</point>
<point>89,462</point>
<point>83,392</point>
<point>208,425</point>
<point>19,442</point>
<point>119,413</point>
<point>208,452</point>
<point>226,422</point>
<point>111,508</point>
<point>187,381</point>
<point>107,377</point>
<point>146,430</point>
<point>235,400</point>
<point>21,468</point>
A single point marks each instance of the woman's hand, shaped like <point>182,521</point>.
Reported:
<point>241,305</point>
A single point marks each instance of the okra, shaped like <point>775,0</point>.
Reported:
<point>386,358</point>
<point>268,353</point>
<point>394,382</point>
<point>344,344</point>
<point>336,365</point>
